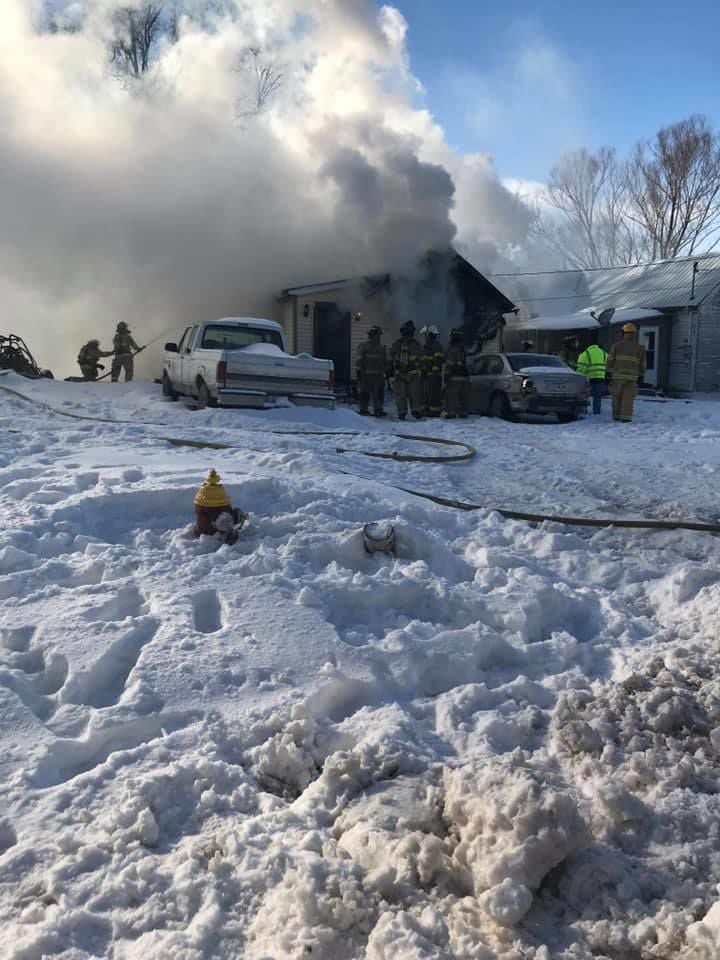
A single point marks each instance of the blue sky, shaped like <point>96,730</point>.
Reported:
<point>525,81</point>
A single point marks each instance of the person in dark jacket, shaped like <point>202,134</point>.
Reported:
<point>433,360</point>
<point>457,379</point>
<point>124,351</point>
<point>405,362</point>
<point>372,364</point>
<point>89,359</point>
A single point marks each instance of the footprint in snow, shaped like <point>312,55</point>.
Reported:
<point>207,612</point>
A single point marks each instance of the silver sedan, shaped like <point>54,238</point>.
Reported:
<point>510,385</point>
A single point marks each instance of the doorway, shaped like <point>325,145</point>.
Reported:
<point>650,339</point>
<point>332,339</point>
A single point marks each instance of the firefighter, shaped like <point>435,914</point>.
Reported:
<point>372,365</point>
<point>124,349</point>
<point>626,366</point>
<point>89,359</point>
<point>570,351</point>
<point>592,363</point>
<point>527,346</point>
<point>405,360</point>
<point>457,380</point>
<point>433,359</point>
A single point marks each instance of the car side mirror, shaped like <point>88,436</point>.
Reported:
<point>171,348</point>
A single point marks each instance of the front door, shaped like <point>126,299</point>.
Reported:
<point>332,339</point>
<point>650,339</point>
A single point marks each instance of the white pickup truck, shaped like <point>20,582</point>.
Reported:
<point>242,362</point>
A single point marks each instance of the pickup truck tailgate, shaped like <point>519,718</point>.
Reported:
<point>303,378</point>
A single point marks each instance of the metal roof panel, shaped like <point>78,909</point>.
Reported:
<point>662,285</point>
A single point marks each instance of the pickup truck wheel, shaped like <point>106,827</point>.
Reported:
<point>499,407</point>
<point>167,387</point>
<point>203,396</point>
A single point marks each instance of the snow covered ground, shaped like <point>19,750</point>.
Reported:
<point>503,743</point>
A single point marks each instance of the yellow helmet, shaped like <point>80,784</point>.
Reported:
<point>629,328</point>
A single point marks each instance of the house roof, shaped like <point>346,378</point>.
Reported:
<point>378,281</point>
<point>308,288</point>
<point>663,285</point>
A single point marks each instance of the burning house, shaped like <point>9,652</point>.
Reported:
<point>331,319</point>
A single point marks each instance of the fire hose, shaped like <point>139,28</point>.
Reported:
<point>468,454</point>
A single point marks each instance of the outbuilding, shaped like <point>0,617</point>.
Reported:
<point>674,303</point>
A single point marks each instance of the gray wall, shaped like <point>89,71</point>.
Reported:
<point>680,373</point>
<point>707,361</point>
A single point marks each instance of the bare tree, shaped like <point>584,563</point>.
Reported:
<point>137,32</point>
<point>583,214</point>
<point>263,78</point>
<point>53,20</point>
<point>673,185</point>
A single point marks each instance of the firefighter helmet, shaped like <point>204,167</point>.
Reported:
<point>122,327</point>
<point>375,331</point>
<point>407,329</point>
<point>629,328</point>
<point>456,333</point>
<point>430,330</point>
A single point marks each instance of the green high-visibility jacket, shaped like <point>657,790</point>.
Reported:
<point>592,363</point>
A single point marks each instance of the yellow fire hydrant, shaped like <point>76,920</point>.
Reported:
<point>214,513</point>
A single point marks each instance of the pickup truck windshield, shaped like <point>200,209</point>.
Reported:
<point>220,336</point>
<point>518,361</point>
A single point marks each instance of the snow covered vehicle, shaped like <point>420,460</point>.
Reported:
<point>511,384</point>
<point>243,362</point>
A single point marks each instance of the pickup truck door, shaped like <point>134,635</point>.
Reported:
<point>187,360</point>
<point>173,361</point>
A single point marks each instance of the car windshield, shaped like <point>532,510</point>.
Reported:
<point>519,361</point>
<point>222,336</point>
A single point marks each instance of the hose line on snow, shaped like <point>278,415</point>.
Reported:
<point>571,521</point>
<point>470,452</point>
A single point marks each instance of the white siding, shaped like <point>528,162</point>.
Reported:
<point>681,352</point>
<point>305,326</point>
<point>707,360</point>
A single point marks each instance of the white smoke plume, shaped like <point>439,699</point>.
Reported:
<point>160,201</point>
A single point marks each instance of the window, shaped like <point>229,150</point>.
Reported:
<point>518,361</point>
<point>487,366</point>
<point>649,337</point>
<point>480,366</point>
<point>495,366</point>
<point>191,338</point>
<point>221,336</point>
<point>184,339</point>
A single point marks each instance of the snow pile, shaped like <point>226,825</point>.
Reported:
<point>513,826</point>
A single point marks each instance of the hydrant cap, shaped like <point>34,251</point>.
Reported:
<point>212,493</point>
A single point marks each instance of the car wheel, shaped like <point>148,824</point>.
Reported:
<point>167,387</point>
<point>499,407</point>
<point>203,396</point>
